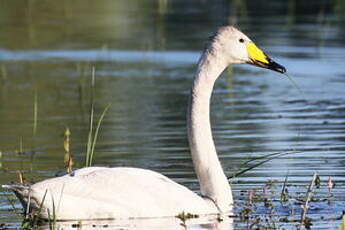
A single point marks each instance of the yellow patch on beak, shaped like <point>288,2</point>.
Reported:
<point>256,54</point>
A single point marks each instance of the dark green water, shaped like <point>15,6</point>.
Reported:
<point>144,53</point>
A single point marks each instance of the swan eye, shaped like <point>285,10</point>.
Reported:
<point>241,40</point>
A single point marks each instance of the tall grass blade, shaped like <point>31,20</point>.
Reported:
<point>275,155</point>
<point>54,214</point>
<point>265,157</point>
<point>308,197</point>
<point>49,220</point>
<point>96,133</point>
<point>27,211</point>
<point>34,129</point>
<point>284,194</point>
<point>52,218</point>
<point>93,135</point>
<point>36,217</point>
<point>89,141</point>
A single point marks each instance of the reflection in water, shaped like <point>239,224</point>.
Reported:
<point>209,222</point>
<point>175,57</point>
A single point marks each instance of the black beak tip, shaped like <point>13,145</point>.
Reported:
<point>276,67</point>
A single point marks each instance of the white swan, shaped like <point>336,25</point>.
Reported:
<point>100,193</point>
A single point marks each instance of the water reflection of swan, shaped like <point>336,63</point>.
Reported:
<point>204,222</point>
<point>98,192</point>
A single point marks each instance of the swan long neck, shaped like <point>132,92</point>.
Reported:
<point>213,182</point>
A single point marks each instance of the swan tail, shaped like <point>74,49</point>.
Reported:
<point>21,191</point>
<point>15,187</point>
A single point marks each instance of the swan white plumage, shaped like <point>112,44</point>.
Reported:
<point>101,193</point>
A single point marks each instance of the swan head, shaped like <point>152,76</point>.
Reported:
<point>236,48</point>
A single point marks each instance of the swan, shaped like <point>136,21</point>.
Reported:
<point>115,193</point>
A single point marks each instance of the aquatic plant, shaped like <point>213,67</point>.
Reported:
<point>259,210</point>
<point>68,156</point>
<point>35,121</point>
<point>92,136</point>
<point>304,220</point>
<point>262,160</point>
<point>184,216</point>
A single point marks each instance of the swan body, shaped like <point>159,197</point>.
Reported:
<point>108,193</point>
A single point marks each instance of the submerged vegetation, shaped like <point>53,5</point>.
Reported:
<point>263,209</point>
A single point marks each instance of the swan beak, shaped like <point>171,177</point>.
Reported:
<point>259,58</point>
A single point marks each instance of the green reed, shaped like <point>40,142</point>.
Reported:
<point>93,134</point>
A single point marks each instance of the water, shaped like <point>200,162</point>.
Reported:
<point>144,53</point>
